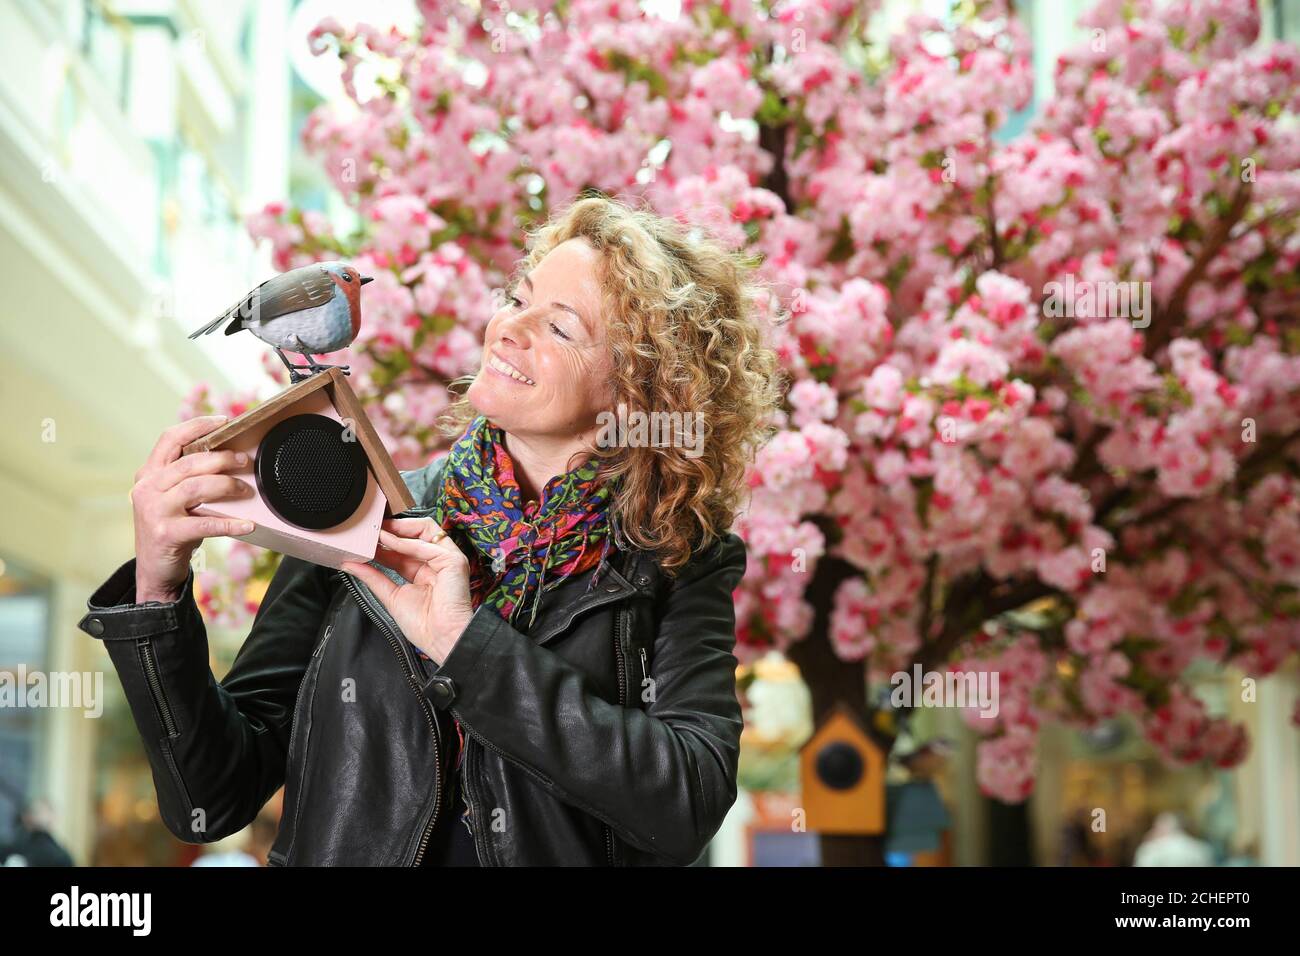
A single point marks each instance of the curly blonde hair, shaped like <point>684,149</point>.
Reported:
<point>684,337</point>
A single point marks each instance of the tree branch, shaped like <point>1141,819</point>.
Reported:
<point>1267,451</point>
<point>995,241</point>
<point>1215,555</point>
<point>979,597</point>
<point>1210,248</point>
<point>927,595</point>
<point>777,180</point>
<point>966,610</point>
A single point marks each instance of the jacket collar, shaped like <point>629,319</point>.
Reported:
<point>609,587</point>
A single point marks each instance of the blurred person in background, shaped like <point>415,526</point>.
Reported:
<point>1077,845</point>
<point>262,835</point>
<point>1244,853</point>
<point>34,844</point>
<point>232,851</point>
<point>1168,844</point>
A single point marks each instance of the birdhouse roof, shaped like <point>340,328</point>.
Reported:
<point>841,713</point>
<point>348,406</point>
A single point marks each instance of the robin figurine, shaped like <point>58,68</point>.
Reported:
<point>310,310</point>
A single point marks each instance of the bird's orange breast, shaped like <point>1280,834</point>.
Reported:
<point>352,291</point>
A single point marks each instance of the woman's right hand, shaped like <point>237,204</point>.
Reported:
<point>165,488</point>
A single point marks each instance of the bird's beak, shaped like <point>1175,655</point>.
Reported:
<point>365,279</point>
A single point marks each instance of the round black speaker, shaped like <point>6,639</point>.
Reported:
<point>839,765</point>
<point>308,474</point>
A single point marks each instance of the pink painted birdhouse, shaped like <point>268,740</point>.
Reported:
<point>322,481</point>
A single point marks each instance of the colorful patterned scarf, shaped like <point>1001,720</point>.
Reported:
<point>519,551</point>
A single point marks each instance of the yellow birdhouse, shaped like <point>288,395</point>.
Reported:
<point>842,774</point>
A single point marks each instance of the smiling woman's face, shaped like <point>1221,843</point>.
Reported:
<point>546,369</point>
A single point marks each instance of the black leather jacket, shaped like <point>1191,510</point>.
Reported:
<point>608,733</point>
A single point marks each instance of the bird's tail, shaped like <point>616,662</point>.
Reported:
<point>233,314</point>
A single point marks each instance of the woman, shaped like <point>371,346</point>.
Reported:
<point>537,668</point>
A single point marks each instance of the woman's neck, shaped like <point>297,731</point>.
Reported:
<point>537,461</point>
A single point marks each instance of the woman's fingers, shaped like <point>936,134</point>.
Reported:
<point>438,551</point>
<point>425,539</point>
<point>426,529</point>
<point>202,489</point>
<point>377,581</point>
<point>170,442</point>
<point>200,527</point>
<point>404,564</point>
<point>200,463</point>
<point>430,557</point>
<point>415,547</point>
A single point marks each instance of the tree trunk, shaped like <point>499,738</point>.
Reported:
<point>831,681</point>
<point>1011,837</point>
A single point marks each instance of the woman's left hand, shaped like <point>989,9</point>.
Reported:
<point>434,609</point>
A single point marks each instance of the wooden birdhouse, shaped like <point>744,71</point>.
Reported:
<point>322,481</point>
<point>842,773</point>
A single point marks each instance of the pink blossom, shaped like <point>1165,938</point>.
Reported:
<point>1005,766</point>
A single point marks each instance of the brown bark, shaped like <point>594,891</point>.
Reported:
<point>777,180</point>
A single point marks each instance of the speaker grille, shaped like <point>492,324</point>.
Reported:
<point>308,474</point>
<point>313,471</point>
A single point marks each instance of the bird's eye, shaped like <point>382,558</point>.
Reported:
<point>347,277</point>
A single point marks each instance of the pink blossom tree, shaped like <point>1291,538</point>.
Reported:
<point>1044,390</point>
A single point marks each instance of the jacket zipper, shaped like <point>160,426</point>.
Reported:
<point>155,688</point>
<point>622,700</point>
<point>395,642</point>
<point>150,664</point>
<point>620,618</point>
<point>618,657</point>
<point>437,776</point>
<point>487,745</point>
<point>293,735</point>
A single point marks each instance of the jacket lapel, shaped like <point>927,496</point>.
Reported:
<point>612,587</point>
